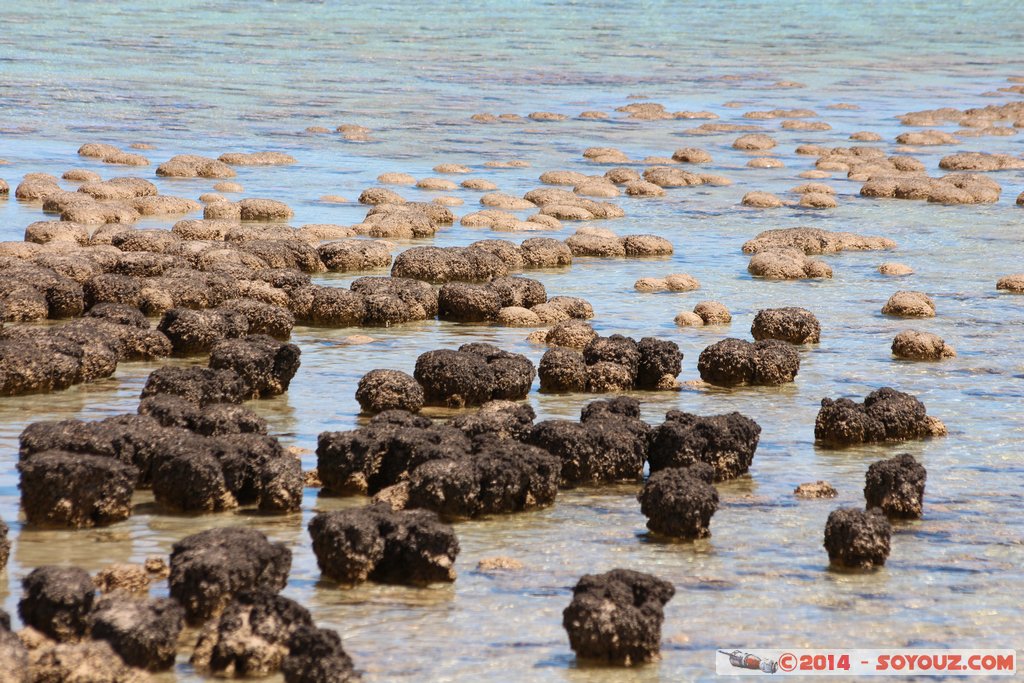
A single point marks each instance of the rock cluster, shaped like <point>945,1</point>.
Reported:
<point>884,415</point>
<point>614,363</point>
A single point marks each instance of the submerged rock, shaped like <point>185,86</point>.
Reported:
<point>724,442</point>
<point>735,362</point>
<point>317,656</point>
<point>498,478</point>
<point>814,241</point>
<point>90,660</point>
<point>608,444</point>
<point>59,488</point>
<point>616,617</point>
<point>381,390</point>
<point>793,325</point>
<point>143,632</point>
<point>856,539</point>
<point>209,568</point>
<point>384,452</point>
<point>473,375</point>
<point>680,501</point>
<point>910,305</point>
<point>380,544</point>
<point>896,486</point>
<point>252,637</point>
<point>265,364</point>
<point>885,415</point>
<point>57,602</point>
<point>915,345</point>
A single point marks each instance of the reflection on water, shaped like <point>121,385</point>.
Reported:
<point>761,579</point>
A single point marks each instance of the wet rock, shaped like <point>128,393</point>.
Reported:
<point>213,420</point>
<point>317,656</point>
<point>856,539</point>
<point>5,545</point>
<point>111,288</point>
<point>40,363</point>
<point>193,332</point>
<point>90,660</point>
<point>501,477</point>
<point>688,319</point>
<point>56,602</point>
<point>129,439</point>
<point>818,200</point>
<point>793,325</point>
<point>251,637</point>
<point>725,442</point>
<point>263,318</point>
<point>382,454</point>
<point>787,264</point>
<point>660,363</point>
<point>616,617</point>
<point>497,419</point>
<point>691,155</point>
<point>761,200</point>
<point>380,195</point>
<point>120,576</point>
<point>915,345</point>
<point>646,245</point>
<point>461,302</point>
<point>979,161</point>
<point>257,159</point>
<point>35,187</point>
<point>209,568</point>
<point>910,305</point>
<point>765,162</point>
<point>753,142</point>
<point>473,375</point>
<point>393,300</point>
<point>735,362</point>
<point>192,481</point>
<point>440,265</point>
<point>896,486</point>
<point>574,334</point>
<point>608,444</point>
<point>383,545</point>
<point>926,138</point>
<point>265,364</point>
<point>885,415</point>
<point>583,244</point>
<point>895,269</point>
<point>816,489</point>
<point>12,653</point>
<point>680,501</point>
<point>545,252</point>
<point>381,390</point>
<point>201,386</point>
<point>1011,283</point>
<point>65,489</point>
<point>712,313</point>
<point>866,136</point>
<point>193,166</point>
<point>284,253</point>
<point>814,241</point>
<point>562,370</point>
<point>144,633</point>
<point>43,232</point>
<point>350,255</point>
<point>333,307</point>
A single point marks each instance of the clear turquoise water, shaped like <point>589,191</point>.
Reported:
<point>214,77</point>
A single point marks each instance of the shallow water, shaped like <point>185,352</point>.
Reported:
<point>213,77</point>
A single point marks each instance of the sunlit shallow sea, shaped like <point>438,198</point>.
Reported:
<point>206,78</point>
